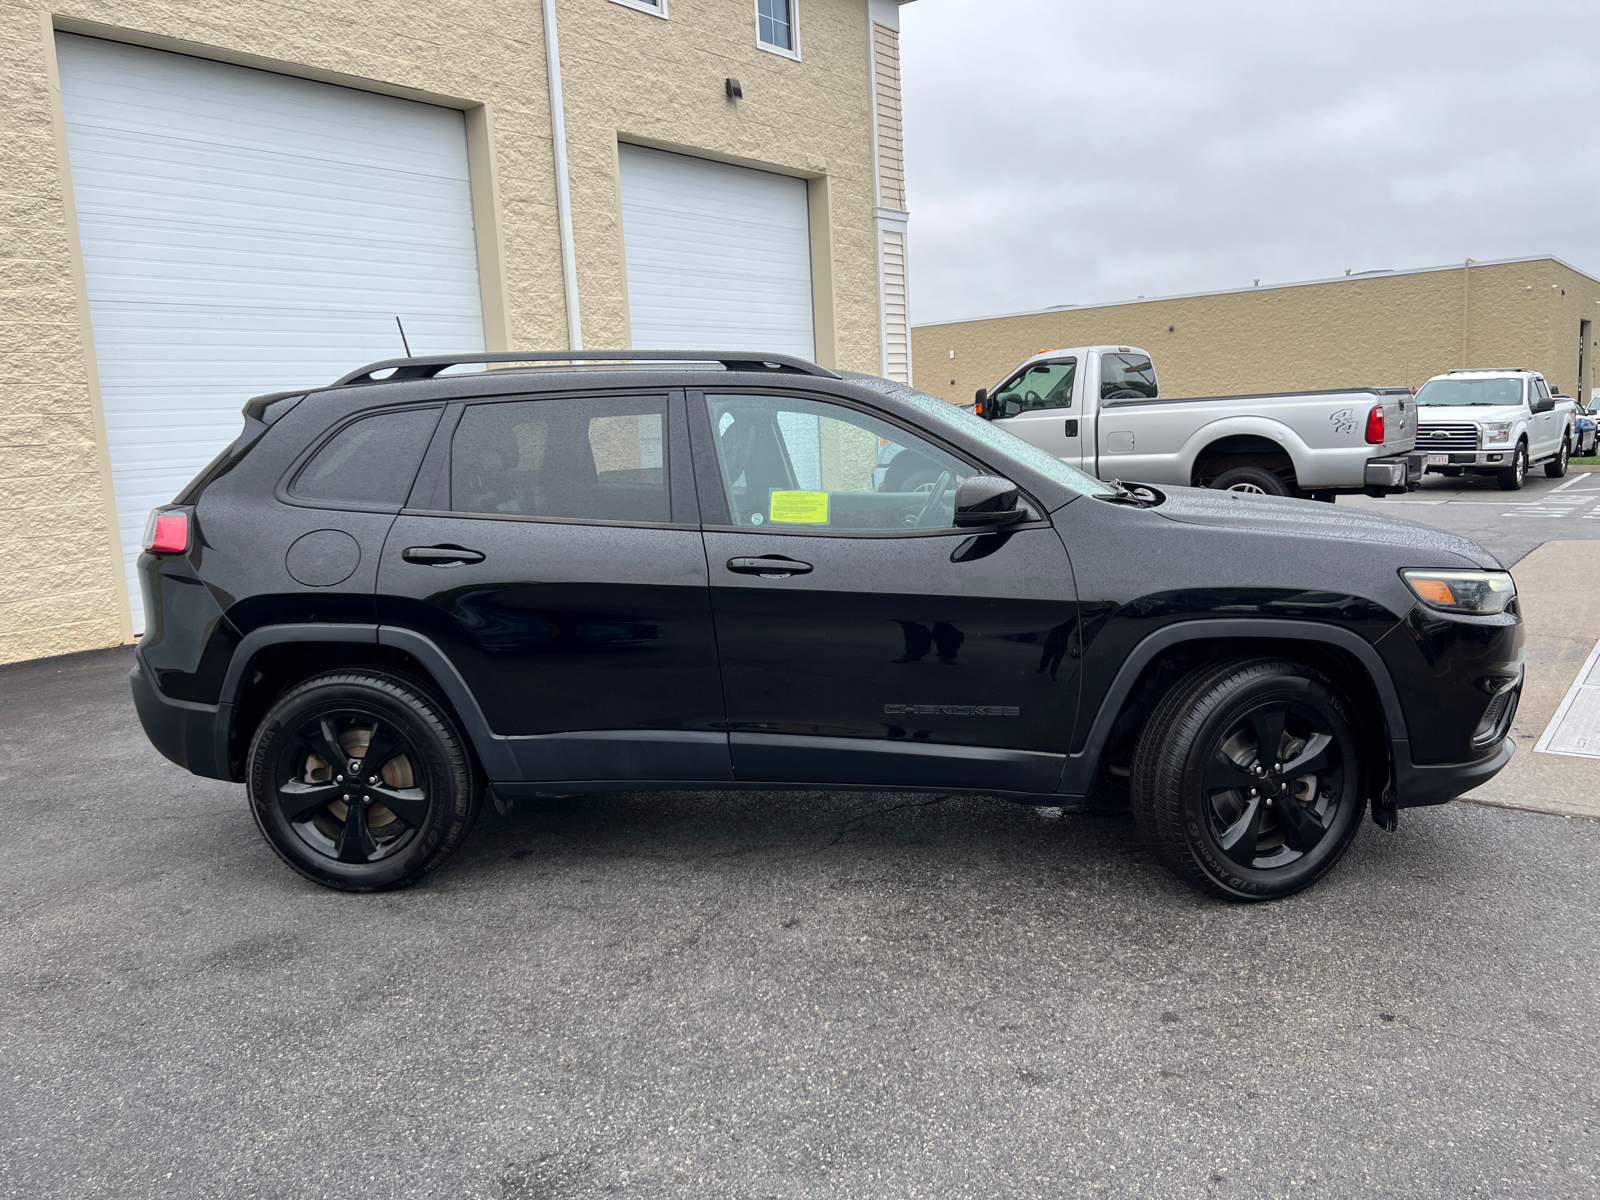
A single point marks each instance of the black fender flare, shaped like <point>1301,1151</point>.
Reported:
<point>1081,769</point>
<point>493,752</point>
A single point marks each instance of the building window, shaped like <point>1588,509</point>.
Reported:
<point>776,27</point>
<point>655,7</point>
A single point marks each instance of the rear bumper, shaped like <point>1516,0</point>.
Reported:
<point>1417,785</point>
<point>1395,473</point>
<point>195,736</point>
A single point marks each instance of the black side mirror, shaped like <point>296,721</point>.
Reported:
<point>1544,404</point>
<point>987,502</point>
<point>980,402</point>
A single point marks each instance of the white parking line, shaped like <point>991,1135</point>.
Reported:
<point>1575,728</point>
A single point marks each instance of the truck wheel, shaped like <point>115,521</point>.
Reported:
<point>360,781</point>
<point>1557,467</point>
<point>1247,779</point>
<point>1256,480</point>
<point>1511,479</point>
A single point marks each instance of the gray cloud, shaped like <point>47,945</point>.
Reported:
<point>1074,153</point>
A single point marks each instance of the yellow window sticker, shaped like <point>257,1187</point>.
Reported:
<point>800,508</point>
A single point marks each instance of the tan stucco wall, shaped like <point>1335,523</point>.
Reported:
<point>1378,330</point>
<point>626,74</point>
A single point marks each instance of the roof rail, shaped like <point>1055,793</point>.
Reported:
<point>1482,370</point>
<point>427,366</point>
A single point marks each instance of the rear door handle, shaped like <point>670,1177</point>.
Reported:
<point>774,566</point>
<point>440,556</point>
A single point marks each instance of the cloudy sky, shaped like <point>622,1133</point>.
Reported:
<point>1060,151</point>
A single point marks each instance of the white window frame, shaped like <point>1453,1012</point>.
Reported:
<point>655,10</point>
<point>794,30</point>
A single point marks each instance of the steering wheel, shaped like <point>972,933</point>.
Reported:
<point>1032,399</point>
<point>933,498</point>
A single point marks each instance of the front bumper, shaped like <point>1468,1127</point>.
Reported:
<point>195,736</point>
<point>1490,460</point>
<point>1417,785</point>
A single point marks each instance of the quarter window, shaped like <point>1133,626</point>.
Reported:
<point>370,461</point>
<point>1127,377</point>
<point>572,459</point>
<point>805,465</point>
<point>1043,385</point>
<point>775,25</point>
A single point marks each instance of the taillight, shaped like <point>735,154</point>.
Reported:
<point>1375,425</point>
<point>167,532</point>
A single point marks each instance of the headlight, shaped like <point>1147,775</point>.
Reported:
<point>1496,432</point>
<point>1483,592</point>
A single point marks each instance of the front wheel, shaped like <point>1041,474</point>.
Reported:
<point>360,781</point>
<point>1557,467</point>
<point>1511,479</point>
<point>1247,779</point>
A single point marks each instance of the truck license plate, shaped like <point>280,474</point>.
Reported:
<point>1438,460</point>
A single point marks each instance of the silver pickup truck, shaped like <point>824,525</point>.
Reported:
<point>1100,409</point>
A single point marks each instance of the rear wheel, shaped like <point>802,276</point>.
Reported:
<point>1247,779</point>
<point>1511,479</point>
<point>1255,480</point>
<point>1557,467</point>
<point>361,781</point>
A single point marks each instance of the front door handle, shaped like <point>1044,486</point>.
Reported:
<point>772,566</point>
<point>440,556</point>
<point>1072,428</point>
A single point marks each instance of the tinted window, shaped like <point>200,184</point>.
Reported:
<point>801,464</point>
<point>371,461</point>
<point>1471,391</point>
<point>1043,385</point>
<point>584,458</point>
<point>1127,377</point>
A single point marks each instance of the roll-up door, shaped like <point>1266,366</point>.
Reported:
<point>719,257</point>
<point>247,232</point>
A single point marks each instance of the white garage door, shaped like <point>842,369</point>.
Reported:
<point>245,232</point>
<point>719,257</point>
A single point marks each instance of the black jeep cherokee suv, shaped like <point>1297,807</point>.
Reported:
<point>394,597</point>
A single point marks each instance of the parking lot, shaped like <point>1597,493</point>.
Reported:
<point>807,995</point>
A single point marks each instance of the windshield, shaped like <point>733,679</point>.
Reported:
<point>1471,391</point>
<point>1006,445</point>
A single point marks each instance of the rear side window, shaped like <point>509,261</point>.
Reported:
<point>370,461</point>
<point>1127,377</point>
<point>576,458</point>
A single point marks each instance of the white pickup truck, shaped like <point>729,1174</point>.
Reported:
<point>1496,423</point>
<point>1100,409</point>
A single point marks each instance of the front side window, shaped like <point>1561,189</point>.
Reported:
<point>1127,377</point>
<point>370,461</point>
<point>775,24</point>
<point>1043,385</point>
<point>805,465</point>
<point>578,458</point>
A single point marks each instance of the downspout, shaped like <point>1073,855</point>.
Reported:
<point>558,137</point>
<point>1466,278</point>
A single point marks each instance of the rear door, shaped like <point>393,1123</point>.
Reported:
<point>864,639</point>
<point>552,550</point>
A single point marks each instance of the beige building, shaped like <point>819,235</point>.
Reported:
<point>210,199</point>
<point>1377,328</point>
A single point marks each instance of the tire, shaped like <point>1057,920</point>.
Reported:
<point>1255,480</point>
<point>408,816</point>
<point>1557,467</point>
<point>1512,478</point>
<point>1195,764</point>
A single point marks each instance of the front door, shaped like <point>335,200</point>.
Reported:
<point>553,553</point>
<point>863,638</point>
<point>1037,404</point>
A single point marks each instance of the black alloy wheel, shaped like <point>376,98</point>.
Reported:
<point>1511,479</point>
<point>360,781</point>
<point>1247,779</point>
<point>1557,467</point>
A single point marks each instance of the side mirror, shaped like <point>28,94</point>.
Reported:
<point>980,402</point>
<point>987,502</point>
<point>1544,404</point>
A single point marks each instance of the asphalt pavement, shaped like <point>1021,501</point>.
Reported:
<point>746,996</point>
